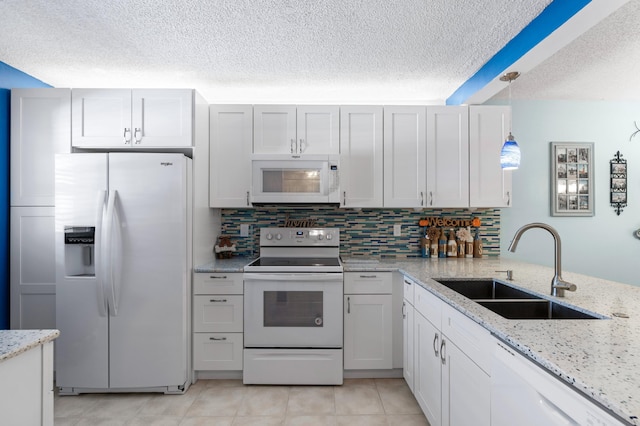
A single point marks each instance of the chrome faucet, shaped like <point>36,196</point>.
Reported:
<point>558,285</point>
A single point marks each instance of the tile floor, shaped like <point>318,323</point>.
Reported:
<point>369,402</point>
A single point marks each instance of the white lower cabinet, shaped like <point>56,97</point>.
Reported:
<point>523,393</point>
<point>26,394</point>
<point>408,327</point>
<point>217,321</point>
<point>368,320</point>
<point>452,356</point>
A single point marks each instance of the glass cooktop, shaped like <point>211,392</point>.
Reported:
<point>312,262</point>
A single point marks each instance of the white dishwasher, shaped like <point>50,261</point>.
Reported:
<point>524,394</point>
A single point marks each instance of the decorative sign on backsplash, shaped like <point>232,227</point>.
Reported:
<point>299,223</point>
<point>451,222</point>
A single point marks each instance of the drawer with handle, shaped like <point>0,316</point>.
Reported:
<point>218,313</point>
<point>217,283</point>
<point>368,282</point>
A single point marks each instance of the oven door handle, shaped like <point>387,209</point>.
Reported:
<point>311,276</point>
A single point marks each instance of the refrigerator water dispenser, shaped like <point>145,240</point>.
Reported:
<point>79,247</point>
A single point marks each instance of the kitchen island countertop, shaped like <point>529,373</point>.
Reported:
<point>15,342</point>
<point>599,358</point>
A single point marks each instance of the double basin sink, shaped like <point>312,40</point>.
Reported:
<point>514,303</point>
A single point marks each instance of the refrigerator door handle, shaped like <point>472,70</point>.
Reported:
<point>108,251</point>
<point>99,264</point>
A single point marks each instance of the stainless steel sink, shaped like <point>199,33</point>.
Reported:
<point>514,303</point>
<point>534,309</point>
<point>486,289</point>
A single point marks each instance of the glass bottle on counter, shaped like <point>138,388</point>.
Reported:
<point>442,244</point>
<point>477,245</point>
<point>452,246</point>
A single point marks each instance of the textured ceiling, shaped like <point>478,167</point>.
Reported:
<point>286,50</point>
<point>602,64</point>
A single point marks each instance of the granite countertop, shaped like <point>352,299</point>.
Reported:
<point>235,264</point>
<point>600,358</point>
<point>15,342</point>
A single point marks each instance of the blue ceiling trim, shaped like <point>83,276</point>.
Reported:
<point>552,17</point>
<point>11,77</point>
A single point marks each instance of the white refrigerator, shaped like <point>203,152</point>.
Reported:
<point>123,256</point>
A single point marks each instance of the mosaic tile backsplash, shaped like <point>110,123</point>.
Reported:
<point>362,232</point>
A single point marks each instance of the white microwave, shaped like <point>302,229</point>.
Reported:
<point>291,180</point>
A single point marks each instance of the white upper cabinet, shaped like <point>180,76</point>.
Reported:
<point>361,156</point>
<point>139,118</point>
<point>301,130</point>
<point>40,128</point>
<point>230,137</point>
<point>490,186</point>
<point>447,156</point>
<point>404,156</point>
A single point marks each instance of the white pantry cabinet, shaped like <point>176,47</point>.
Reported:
<point>368,343</point>
<point>361,153</point>
<point>447,156</point>
<point>296,130</point>
<point>40,128</point>
<point>452,362</point>
<point>138,118</point>
<point>230,142</point>
<point>217,321</point>
<point>33,268</point>
<point>489,185</point>
<point>405,159</point>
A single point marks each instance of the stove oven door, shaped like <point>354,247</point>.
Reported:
<point>293,310</point>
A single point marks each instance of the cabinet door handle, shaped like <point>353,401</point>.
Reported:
<point>293,141</point>
<point>407,282</point>
<point>127,135</point>
<point>421,198</point>
<point>404,314</point>
<point>368,276</point>
<point>217,338</point>
<point>218,300</point>
<point>248,204</point>
<point>431,198</point>
<point>137,135</point>
<point>213,277</point>
<point>344,198</point>
<point>348,305</point>
<point>435,344</point>
<point>301,144</point>
<point>508,198</point>
<point>443,355</point>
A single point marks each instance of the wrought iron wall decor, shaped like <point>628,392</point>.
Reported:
<point>572,189</point>
<point>618,183</point>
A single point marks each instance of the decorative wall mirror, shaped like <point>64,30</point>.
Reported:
<point>572,189</point>
<point>618,183</point>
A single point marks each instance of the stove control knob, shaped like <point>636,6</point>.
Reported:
<point>269,236</point>
<point>329,236</point>
<point>278,237</point>
<point>320,236</point>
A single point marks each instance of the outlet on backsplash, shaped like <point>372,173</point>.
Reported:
<point>397,230</point>
<point>244,230</point>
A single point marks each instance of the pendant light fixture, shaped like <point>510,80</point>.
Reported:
<point>510,153</point>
